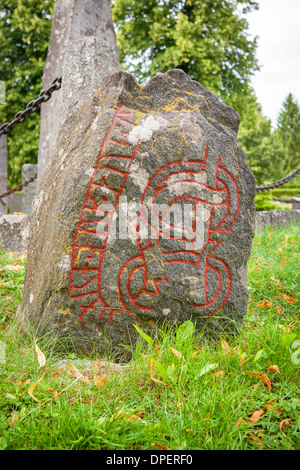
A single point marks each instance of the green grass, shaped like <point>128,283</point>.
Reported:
<point>194,396</point>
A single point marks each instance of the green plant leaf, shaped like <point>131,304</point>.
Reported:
<point>185,331</point>
<point>259,354</point>
<point>162,370</point>
<point>144,335</point>
<point>287,339</point>
<point>207,368</point>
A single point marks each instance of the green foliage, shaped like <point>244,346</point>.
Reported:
<point>207,39</point>
<point>288,133</point>
<point>25,28</point>
<point>200,395</point>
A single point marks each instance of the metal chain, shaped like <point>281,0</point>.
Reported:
<point>278,183</point>
<point>31,107</point>
<point>20,117</point>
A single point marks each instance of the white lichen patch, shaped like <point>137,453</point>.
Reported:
<point>139,176</point>
<point>65,264</point>
<point>166,311</point>
<point>31,298</point>
<point>143,132</point>
<point>89,172</point>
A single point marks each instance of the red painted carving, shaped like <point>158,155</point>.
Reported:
<point>220,191</point>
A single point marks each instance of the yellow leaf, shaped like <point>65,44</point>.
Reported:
<point>13,419</point>
<point>289,299</point>
<point>263,377</point>
<point>32,387</point>
<point>154,444</point>
<point>219,374</point>
<point>282,262</point>
<point>280,251</point>
<point>176,353</point>
<point>226,346</point>
<point>264,304</point>
<point>75,371</point>
<point>41,356</point>
<point>278,309</point>
<point>242,358</point>
<point>151,374</point>
<point>274,368</point>
<point>100,381</point>
<point>255,416</point>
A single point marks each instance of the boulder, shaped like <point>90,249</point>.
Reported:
<point>144,216</point>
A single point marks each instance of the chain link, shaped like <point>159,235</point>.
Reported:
<point>31,107</point>
<point>278,183</point>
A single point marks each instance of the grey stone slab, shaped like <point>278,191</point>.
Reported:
<point>145,215</point>
<point>14,233</point>
<point>72,20</point>
<point>276,219</point>
<point>29,191</point>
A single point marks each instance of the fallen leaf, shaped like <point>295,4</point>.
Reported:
<point>13,419</point>
<point>264,304</point>
<point>219,374</point>
<point>151,373</point>
<point>240,422</point>
<point>11,267</point>
<point>32,387</point>
<point>282,262</point>
<point>18,383</point>
<point>280,251</point>
<point>277,308</point>
<point>263,377</point>
<point>100,381</point>
<point>154,444</point>
<point>285,423</point>
<point>75,371</point>
<point>273,408</point>
<point>242,358</point>
<point>41,356</point>
<point>274,368</point>
<point>226,346</point>
<point>254,439</point>
<point>176,353</point>
<point>255,416</point>
<point>289,299</point>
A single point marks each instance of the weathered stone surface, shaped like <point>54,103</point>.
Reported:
<point>85,63</point>
<point>276,219</point>
<point>3,173</point>
<point>72,20</point>
<point>171,142</point>
<point>14,233</point>
<point>29,191</point>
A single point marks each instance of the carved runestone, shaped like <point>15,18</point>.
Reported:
<point>145,215</point>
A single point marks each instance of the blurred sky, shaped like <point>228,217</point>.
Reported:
<point>277,23</point>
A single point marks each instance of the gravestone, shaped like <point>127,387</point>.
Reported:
<point>3,173</point>
<point>29,191</point>
<point>72,20</point>
<point>145,215</point>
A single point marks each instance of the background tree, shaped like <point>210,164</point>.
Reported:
<point>207,39</point>
<point>288,133</point>
<point>25,27</point>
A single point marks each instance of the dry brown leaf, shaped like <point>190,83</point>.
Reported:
<point>285,423</point>
<point>254,439</point>
<point>100,381</point>
<point>289,299</point>
<point>32,387</point>
<point>278,309</point>
<point>154,444</point>
<point>255,416</point>
<point>11,267</point>
<point>264,304</point>
<point>226,346</point>
<point>75,371</point>
<point>261,376</point>
<point>219,374</point>
<point>13,419</point>
<point>18,383</point>
<point>274,368</point>
<point>240,422</point>
<point>41,356</point>
<point>242,358</point>
<point>273,408</point>
<point>282,262</point>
